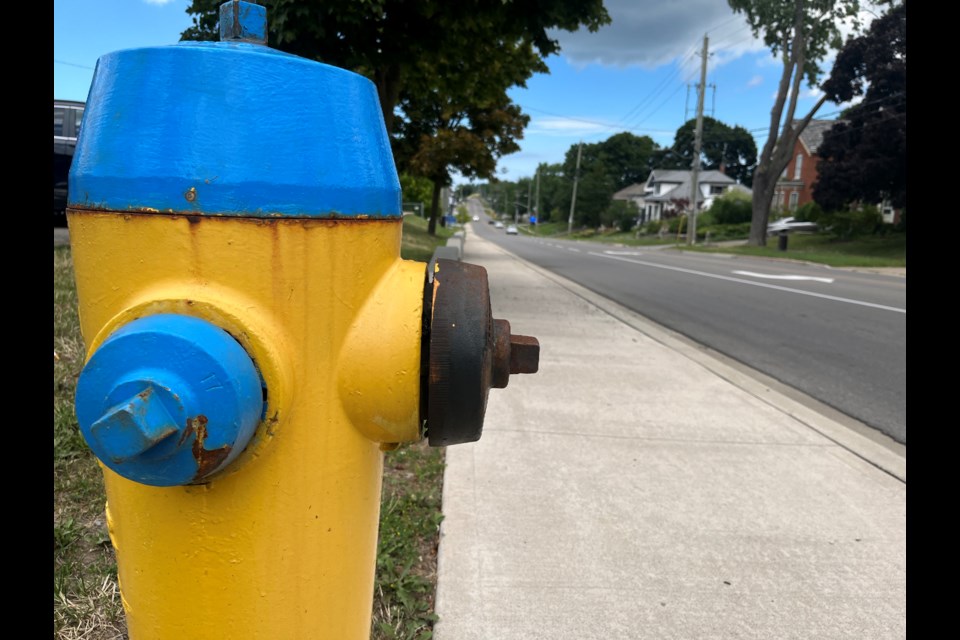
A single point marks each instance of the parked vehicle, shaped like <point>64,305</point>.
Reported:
<point>512,230</point>
<point>67,116</point>
<point>790,224</point>
<point>498,225</point>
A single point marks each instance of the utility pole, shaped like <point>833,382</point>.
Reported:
<point>536,209</point>
<point>573,200</point>
<point>516,205</point>
<point>695,176</point>
<point>529,191</point>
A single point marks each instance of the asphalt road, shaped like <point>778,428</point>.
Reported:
<point>836,335</point>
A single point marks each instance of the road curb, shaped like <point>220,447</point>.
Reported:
<point>858,438</point>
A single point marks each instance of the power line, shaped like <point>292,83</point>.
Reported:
<point>72,64</point>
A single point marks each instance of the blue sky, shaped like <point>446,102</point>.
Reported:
<point>636,74</point>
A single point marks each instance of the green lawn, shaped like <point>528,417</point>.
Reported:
<point>889,250</point>
<point>86,600</point>
<point>869,251</point>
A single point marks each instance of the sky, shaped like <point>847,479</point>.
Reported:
<point>637,74</point>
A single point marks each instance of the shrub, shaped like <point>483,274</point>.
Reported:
<point>732,207</point>
<point>850,224</point>
<point>808,212</point>
<point>621,214</point>
<point>674,224</point>
<point>720,232</point>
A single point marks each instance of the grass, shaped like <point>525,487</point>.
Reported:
<point>417,243</point>
<point>86,599</point>
<point>888,250</point>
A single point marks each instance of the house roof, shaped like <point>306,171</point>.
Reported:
<point>630,192</point>
<point>679,176</point>
<point>812,134</point>
<point>683,178</point>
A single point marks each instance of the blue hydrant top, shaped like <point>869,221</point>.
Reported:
<point>232,128</point>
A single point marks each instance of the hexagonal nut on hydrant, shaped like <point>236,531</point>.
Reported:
<point>468,352</point>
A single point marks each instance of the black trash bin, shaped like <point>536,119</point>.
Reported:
<point>782,241</point>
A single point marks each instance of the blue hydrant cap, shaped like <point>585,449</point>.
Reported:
<point>232,128</point>
<point>169,400</point>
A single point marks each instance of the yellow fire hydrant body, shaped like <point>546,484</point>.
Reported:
<point>254,339</point>
<point>255,191</point>
<point>281,544</point>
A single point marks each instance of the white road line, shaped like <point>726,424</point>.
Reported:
<point>623,253</point>
<point>751,282</point>
<point>572,249</point>
<point>773,277</point>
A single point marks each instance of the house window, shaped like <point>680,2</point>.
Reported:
<point>794,196</point>
<point>716,189</point>
<point>798,166</point>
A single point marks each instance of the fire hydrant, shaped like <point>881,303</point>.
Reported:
<point>254,340</point>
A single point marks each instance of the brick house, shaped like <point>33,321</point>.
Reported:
<point>795,186</point>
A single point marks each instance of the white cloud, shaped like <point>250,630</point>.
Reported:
<point>755,81</point>
<point>566,127</point>
<point>651,33</point>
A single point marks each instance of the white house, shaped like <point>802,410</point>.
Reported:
<point>667,192</point>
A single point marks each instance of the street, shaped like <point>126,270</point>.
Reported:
<point>838,336</point>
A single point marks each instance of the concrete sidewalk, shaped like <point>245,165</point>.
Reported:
<point>639,487</point>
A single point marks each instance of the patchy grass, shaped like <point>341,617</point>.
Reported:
<point>407,550</point>
<point>888,250</point>
<point>86,599</point>
<point>417,243</point>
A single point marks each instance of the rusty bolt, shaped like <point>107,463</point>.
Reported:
<point>512,354</point>
<point>191,194</point>
<point>524,354</point>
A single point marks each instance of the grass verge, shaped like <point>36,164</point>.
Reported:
<point>868,251</point>
<point>86,599</point>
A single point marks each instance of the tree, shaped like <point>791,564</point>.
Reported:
<point>441,68</point>
<point>721,144</point>
<point>864,156</point>
<point>627,158</point>
<point>455,113</point>
<point>801,32</point>
<point>386,40</point>
<point>595,187</point>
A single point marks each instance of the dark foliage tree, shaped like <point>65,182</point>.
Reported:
<point>863,158</point>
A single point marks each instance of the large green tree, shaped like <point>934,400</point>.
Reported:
<point>441,68</point>
<point>732,147</point>
<point>626,158</point>
<point>801,32</point>
<point>864,157</point>
<point>387,40</point>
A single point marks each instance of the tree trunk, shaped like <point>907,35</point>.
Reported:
<point>764,184</point>
<point>388,90</point>
<point>434,205</point>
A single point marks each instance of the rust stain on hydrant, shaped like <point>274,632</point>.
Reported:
<point>207,459</point>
